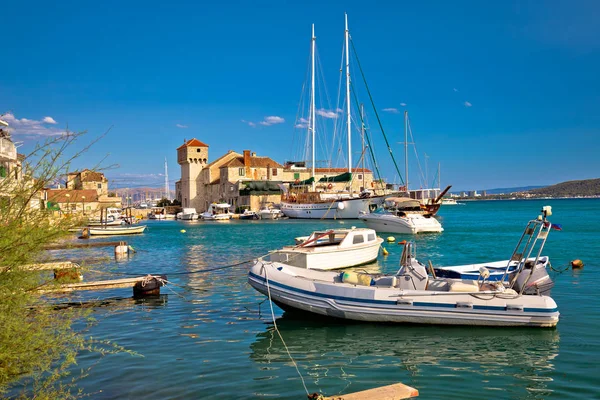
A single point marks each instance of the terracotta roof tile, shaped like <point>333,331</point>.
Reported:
<point>75,196</point>
<point>193,142</point>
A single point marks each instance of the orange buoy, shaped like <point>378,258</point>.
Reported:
<point>402,242</point>
<point>577,264</point>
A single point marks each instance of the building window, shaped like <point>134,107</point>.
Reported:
<point>296,175</point>
<point>274,171</point>
<point>231,188</point>
<point>359,177</point>
<point>198,150</point>
<point>242,172</point>
<point>99,186</point>
<point>358,239</point>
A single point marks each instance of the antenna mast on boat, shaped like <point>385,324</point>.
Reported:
<point>167,194</point>
<point>362,131</point>
<point>406,147</point>
<point>347,34</point>
<point>312,104</point>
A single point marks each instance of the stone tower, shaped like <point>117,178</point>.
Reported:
<point>192,156</point>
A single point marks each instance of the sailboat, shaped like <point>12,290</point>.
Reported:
<point>329,205</point>
<point>430,199</point>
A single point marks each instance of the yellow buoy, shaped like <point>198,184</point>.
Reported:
<point>385,252</point>
<point>577,264</point>
<point>182,231</point>
<point>391,239</point>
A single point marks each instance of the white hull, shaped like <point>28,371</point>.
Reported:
<point>217,217</point>
<point>126,230</point>
<point>336,209</point>
<point>270,214</point>
<point>328,258</point>
<point>322,292</point>
<point>189,217</point>
<point>156,216</point>
<point>411,224</point>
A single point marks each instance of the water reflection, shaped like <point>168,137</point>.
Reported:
<point>336,355</point>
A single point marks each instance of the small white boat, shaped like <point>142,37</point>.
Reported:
<point>217,212</point>
<point>331,249</point>
<point>411,296</point>
<point>401,215</point>
<point>187,214</point>
<point>449,201</point>
<point>270,213</point>
<point>157,213</point>
<point>497,269</point>
<point>121,230</point>
<point>248,214</point>
<point>170,216</point>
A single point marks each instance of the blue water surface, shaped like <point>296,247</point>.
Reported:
<point>210,335</point>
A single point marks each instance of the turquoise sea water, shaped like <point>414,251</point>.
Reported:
<point>212,336</point>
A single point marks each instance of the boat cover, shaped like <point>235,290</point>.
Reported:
<point>345,177</point>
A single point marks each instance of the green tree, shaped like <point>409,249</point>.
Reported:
<point>37,341</point>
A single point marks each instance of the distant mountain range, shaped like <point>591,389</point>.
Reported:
<point>586,187</point>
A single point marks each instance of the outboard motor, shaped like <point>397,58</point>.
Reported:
<point>534,279</point>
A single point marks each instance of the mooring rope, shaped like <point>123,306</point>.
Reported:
<point>279,333</point>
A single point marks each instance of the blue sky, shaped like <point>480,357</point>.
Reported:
<point>501,94</point>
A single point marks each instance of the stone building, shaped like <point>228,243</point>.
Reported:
<point>250,181</point>
<point>88,180</point>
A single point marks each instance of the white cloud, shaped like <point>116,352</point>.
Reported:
<point>272,120</point>
<point>327,113</point>
<point>252,124</point>
<point>467,104</point>
<point>31,127</point>
<point>391,110</point>
<point>181,126</point>
<point>339,110</point>
<point>403,104</point>
<point>302,123</point>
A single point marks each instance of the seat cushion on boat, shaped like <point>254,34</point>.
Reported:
<point>438,285</point>
<point>386,281</point>
<point>464,285</point>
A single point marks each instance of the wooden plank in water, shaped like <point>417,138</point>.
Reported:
<point>390,392</point>
<point>51,266</point>
<point>71,245</point>
<point>98,285</point>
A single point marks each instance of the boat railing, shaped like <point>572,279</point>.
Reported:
<point>535,235</point>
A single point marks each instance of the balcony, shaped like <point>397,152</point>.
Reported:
<point>8,151</point>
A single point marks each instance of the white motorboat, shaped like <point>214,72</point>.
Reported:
<point>449,201</point>
<point>217,212</point>
<point>269,213</point>
<point>157,213</point>
<point>120,230</point>
<point>411,296</point>
<point>331,249</point>
<point>187,214</point>
<point>497,269</point>
<point>401,215</point>
<point>249,214</point>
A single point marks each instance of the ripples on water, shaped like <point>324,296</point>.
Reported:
<point>211,335</point>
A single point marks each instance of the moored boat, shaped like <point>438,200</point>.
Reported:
<point>217,212</point>
<point>269,213</point>
<point>401,215</point>
<point>120,230</point>
<point>411,296</point>
<point>187,214</point>
<point>331,249</point>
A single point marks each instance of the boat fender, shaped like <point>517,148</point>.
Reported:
<point>341,206</point>
<point>385,252</point>
<point>484,272</point>
<point>402,242</point>
<point>391,239</point>
<point>577,264</point>
<point>329,186</point>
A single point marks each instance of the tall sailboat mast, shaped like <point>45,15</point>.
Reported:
<point>347,34</point>
<point>167,194</point>
<point>406,148</point>
<point>312,104</point>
